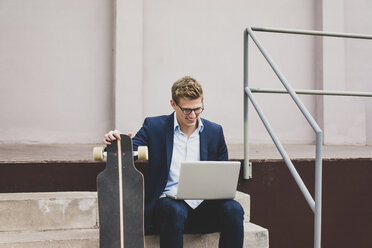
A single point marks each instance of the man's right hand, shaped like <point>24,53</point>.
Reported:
<point>112,136</point>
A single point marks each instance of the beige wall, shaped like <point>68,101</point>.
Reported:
<point>57,69</point>
<point>205,39</point>
<point>359,56</point>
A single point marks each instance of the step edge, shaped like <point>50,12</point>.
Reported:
<point>47,195</point>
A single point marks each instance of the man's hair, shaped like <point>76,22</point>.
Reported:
<point>186,87</point>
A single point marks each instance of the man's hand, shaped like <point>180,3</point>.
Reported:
<point>112,136</point>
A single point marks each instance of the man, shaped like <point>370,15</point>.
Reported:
<point>172,139</point>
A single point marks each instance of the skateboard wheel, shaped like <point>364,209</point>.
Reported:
<point>98,153</point>
<point>143,153</point>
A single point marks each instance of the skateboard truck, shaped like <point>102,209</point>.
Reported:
<point>99,153</point>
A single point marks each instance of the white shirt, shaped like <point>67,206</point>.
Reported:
<point>184,149</point>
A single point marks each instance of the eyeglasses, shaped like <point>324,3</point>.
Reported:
<point>188,111</point>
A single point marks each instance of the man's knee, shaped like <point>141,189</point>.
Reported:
<point>232,210</point>
<point>172,211</point>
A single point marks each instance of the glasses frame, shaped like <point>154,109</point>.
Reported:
<point>187,111</point>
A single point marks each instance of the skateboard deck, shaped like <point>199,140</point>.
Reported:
<point>120,189</point>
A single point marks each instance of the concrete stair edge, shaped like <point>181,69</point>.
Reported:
<point>60,210</point>
<point>48,211</point>
<point>254,237</point>
<point>79,238</point>
<point>55,235</point>
<point>56,207</point>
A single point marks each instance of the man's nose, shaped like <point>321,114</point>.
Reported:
<point>192,114</point>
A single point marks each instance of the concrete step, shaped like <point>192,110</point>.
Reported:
<point>48,211</point>
<point>79,238</point>
<point>70,219</point>
<point>60,210</point>
<point>254,237</point>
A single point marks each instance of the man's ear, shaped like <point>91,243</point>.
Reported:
<point>173,104</point>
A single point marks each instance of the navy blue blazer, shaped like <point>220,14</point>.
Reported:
<point>157,134</point>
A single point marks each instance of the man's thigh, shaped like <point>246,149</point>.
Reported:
<point>167,210</point>
<point>209,216</point>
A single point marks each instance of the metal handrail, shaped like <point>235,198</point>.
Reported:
<point>313,92</point>
<point>311,32</point>
<point>314,205</point>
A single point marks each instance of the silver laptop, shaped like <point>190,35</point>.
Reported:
<point>207,180</point>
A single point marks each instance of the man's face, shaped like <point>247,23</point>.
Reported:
<point>185,105</point>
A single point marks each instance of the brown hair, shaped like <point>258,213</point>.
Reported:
<point>186,87</point>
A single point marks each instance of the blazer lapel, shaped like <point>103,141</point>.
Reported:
<point>203,146</point>
<point>169,140</point>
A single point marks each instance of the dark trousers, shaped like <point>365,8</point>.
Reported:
<point>173,218</point>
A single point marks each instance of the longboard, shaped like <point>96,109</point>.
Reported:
<point>120,189</point>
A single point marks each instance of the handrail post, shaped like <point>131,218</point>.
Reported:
<point>247,170</point>
<point>318,191</point>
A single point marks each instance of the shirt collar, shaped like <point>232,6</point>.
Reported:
<point>177,126</point>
